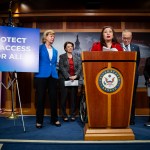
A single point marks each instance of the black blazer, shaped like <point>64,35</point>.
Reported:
<point>136,49</point>
<point>147,70</point>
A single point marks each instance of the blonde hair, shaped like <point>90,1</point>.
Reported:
<point>46,33</point>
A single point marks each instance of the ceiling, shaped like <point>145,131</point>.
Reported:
<point>66,7</point>
<point>98,5</point>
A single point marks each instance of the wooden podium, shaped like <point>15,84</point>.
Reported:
<point>109,82</point>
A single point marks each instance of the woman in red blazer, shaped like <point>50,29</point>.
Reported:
<point>108,41</point>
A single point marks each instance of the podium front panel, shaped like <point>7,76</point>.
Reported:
<point>108,109</point>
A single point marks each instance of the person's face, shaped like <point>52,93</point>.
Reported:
<point>69,48</point>
<point>126,38</point>
<point>108,34</point>
<point>50,38</point>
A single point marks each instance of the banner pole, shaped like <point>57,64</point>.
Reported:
<point>0,93</point>
<point>20,102</point>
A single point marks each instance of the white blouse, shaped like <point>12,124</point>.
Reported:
<point>50,52</point>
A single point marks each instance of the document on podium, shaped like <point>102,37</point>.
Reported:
<point>109,49</point>
<point>72,83</point>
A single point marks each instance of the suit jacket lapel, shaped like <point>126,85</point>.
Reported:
<point>132,47</point>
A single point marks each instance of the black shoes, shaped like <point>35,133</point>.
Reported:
<point>38,126</point>
<point>57,123</point>
<point>65,119</point>
<point>73,119</point>
<point>132,123</point>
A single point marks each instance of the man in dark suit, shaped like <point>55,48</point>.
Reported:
<point>147,71</point>
<point>128,46</point>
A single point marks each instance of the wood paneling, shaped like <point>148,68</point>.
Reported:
<point>92,25</point>
<point>24,83</point>
<point>137,25</point>
<point>49,25</point>
<point>142,102</point>
<point>28,24</point>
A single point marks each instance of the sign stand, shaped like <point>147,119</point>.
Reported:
<point>11,84</point>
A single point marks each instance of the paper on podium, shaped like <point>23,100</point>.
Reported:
<point>71,83</point>
<point>109,49</point>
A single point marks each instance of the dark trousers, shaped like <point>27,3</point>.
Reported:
<point>72,92</point>
<point>41,85</point>
<point>134,98</point>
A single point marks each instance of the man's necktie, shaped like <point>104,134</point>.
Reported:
<point>126,46</point>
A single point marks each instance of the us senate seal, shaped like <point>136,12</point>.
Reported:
<point>109,80</point>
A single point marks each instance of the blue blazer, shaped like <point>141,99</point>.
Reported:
<point>47,67</point>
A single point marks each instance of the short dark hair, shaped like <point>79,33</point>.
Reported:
<point>68,42</point>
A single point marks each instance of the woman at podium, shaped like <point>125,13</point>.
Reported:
<point>108,41</point>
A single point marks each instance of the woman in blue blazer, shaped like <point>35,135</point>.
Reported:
<point>47,78</point>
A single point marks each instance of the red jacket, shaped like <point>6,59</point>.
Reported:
<point>98,47</point>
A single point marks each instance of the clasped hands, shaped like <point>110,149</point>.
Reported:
<point>73,77</point>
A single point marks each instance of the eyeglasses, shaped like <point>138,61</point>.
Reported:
<point>126,38</point>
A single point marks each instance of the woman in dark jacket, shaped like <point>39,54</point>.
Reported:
<point>70,70</point>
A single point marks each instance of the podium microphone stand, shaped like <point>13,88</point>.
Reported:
<point>148,94</point>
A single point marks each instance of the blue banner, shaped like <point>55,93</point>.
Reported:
<point>19,49</point>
